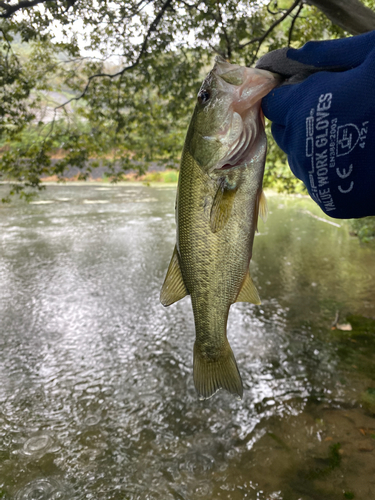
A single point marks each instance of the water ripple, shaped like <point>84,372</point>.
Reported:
<point>92,419</point>
<point>96,380</point>
<point>41,489</point>
<point>39,444</point>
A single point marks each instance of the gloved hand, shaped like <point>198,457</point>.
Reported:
<point>324,118</point>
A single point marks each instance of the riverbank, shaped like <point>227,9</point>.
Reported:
<point>152,176</point>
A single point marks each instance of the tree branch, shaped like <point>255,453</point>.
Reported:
<point>151,28</point>
<point>23,4</point>
<point>190,6</point>
<point>261,39</point>
<point>214,49</point>
<point>271,12</point>
<point>351,15</point>
<point>227,39</point>
<point>6,39</point>
<point>293,23</point>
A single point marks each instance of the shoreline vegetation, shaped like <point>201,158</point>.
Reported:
<point>155,176</point>
<point>363,228</point>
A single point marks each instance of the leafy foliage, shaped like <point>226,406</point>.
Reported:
<point>364,228</point>
<point>128,103</point>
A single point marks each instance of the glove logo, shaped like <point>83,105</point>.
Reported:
<point>325,143</point>
<point>347,139</point>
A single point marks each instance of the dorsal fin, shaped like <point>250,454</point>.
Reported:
<point>248,292</point>
<point>221,208</point>
<point>173,288</point>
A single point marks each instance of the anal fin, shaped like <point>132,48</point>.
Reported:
<point>173,288</point>
<point>248,292</point>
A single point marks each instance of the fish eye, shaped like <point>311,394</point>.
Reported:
<point>203,96</point>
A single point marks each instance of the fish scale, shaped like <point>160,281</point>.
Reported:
<point>213,267</point>
<point>216,217</point>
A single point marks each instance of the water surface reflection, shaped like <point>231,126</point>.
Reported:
<point>96,390</point>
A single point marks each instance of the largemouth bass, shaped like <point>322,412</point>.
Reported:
<point>219,198</point>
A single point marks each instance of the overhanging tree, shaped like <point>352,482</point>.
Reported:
<point>130,102</point>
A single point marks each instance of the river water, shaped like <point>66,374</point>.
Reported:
<point>96,391</point>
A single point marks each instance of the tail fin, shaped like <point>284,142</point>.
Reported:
<point>210,374</point>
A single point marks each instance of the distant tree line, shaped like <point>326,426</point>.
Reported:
<point>129,101</point>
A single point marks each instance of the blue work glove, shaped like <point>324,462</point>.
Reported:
<point>324,118</point>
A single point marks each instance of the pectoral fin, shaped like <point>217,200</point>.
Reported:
<point>221,208</point>
<point>173,288</point>
<point>248,292</point>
